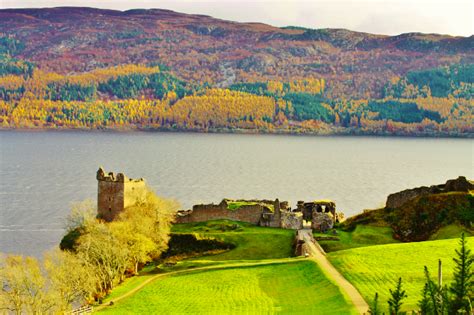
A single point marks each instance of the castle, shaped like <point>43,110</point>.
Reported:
<point>271,213</point>
<point>117,192</point>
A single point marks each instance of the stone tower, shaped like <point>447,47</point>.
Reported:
<point>116,192</point>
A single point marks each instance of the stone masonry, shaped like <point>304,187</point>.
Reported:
<point>398,199</point>
<point>116,192</point>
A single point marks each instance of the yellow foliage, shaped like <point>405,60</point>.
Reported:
<point>12,82</point>
<point>308,85</point>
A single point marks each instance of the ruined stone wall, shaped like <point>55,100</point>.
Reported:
<point>398,199</point>
<point>274,219</point>
<point>200,213</point>
<point>322,221</point>
<point>291,220</point>
<point>133,190</point>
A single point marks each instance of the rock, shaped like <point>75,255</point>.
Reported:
<point>322,222</point>
<point>459,184</point>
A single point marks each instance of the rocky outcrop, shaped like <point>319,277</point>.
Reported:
<point>398,199</point>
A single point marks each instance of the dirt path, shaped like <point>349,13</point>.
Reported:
<point>214,267</point>
<point>318,254</point>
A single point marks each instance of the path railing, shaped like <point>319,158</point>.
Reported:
<point>86,309</point>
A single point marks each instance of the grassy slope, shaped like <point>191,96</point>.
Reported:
<point>251,242</point>
<point>368,235</point>
<point>376,268</point>
<point>299,287</point>
<point>450,231</point>
<point>363,235</point>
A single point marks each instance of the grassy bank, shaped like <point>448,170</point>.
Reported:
<point>376,268</point>
<point>251,242</point>
<point>362,235</point>
<point>368,235</point>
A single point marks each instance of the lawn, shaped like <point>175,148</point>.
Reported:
<point>288,288</point>
<point>252,242</point>
<point>363,235</point>
<point>376,268</point>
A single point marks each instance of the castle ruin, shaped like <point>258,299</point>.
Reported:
<point>460,184</point>
<point>261,212</point>
<point>116,192</point>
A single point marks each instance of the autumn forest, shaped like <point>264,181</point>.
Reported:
<point>160,94</point>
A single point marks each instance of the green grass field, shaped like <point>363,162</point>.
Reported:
<point>376,268</point>
<point>291,288</point>
<point>363,235</point>
<point>251,242</point>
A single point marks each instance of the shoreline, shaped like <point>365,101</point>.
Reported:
<point>341,133</point>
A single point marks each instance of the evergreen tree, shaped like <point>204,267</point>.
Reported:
<point>395,301</point>
<point>374,307</point>
<point>425,304</point>
<point>462,287</point>
<point>436,296</point>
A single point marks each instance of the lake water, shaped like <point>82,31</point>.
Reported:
<point>43,173</point>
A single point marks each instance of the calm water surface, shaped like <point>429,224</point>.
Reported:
<point>43,173</point>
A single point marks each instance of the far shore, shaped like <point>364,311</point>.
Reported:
<point>343,132</point>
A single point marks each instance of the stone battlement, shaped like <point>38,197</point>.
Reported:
<point>116,192</point>
<point>112,177</point>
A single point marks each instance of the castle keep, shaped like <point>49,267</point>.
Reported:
<point>116,192</point>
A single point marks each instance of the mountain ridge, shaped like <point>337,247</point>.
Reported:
<point>152,11</point>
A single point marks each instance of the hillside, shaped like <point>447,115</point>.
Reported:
<point>204,49</point>
<point>418,214</point>
<point>255,275</point>
<point>158,69</point>
<point>376,268</point>
<point>273,287</point>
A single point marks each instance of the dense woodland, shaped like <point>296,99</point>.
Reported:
<point>157,69</point>
<point>151,97</point>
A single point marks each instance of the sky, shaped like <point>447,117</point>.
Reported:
<point>390,17</point>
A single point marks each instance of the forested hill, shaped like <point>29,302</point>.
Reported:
<point>314,79</point>
<point>201,48</point>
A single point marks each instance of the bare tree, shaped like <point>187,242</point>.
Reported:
<point>24,288</point>
<point>71,281</point>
